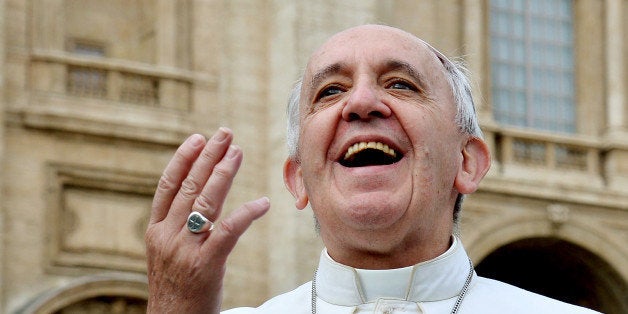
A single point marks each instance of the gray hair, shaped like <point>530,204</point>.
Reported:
<point>466,118</point>
<point>293,113</point>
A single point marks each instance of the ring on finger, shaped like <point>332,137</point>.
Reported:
<point>197,223</point>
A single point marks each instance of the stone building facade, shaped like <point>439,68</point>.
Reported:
<point>96,96</point>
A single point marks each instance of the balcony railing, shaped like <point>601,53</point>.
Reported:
<point>110,97</point>
<point>549,155</point>
<point>566,159</point>
<point>114,79</point>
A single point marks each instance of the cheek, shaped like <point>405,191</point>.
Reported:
<point>313,159</point>
<point>437,163</point>
<point>317,135</point>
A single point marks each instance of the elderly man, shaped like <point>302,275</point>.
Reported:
<point>384,141</point>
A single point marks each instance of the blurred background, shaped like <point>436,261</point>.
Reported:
<point>97,94</point>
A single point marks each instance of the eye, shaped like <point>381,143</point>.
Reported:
<point>401,84</point>
<point>329,91</point>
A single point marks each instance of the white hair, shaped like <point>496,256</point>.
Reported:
<point>293,113</point>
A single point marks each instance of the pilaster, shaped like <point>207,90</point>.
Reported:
<point>166,36</point>
<point>207,40</point>
<point>285,220</point>
<point>2,148</point>
<point>616,165</point>
<point>47,25</point>
<point>475,47</point>
<point>615,76</point>
<point>172,93</point>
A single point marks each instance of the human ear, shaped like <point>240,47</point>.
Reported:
<point>293,178</point>
<point>476,160</point>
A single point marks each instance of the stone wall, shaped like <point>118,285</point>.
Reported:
<point>96,96</point>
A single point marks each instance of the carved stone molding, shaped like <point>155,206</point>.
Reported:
<point>97,217</point>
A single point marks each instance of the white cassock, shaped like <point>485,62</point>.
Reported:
<point>429,287</point>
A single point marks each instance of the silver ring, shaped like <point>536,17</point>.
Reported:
<point>197,223</point>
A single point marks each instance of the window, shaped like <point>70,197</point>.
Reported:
<point>86,48</point>
<point>95,81</point>
<point>532,64</point>
<point>86,81</point>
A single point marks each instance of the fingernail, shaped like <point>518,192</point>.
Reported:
<point>195,140</point>
<point>264,200</point>
<point>233,151</point>
<point>220,135</point>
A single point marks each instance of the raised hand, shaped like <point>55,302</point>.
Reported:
<point>185,269</point>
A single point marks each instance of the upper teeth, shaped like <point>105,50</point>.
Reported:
<point>358,147</point>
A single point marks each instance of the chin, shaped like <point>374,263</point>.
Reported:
<point>373,215</point>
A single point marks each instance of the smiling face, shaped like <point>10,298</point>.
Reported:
<point>379,154</point>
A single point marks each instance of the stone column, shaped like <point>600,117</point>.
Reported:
<point>616,165</point>
<point>615,78</point>
<point>474,42</point>
<point>476,46</point>
<point>48,25</point>
<point>206,41</point>
<point>242,39</point>
<point>284,223</point>
<point>165,30</point>
<point>48,34</point>
<point>172,93</point>
<point>2,148</point>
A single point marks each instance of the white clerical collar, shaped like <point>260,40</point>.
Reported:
<point>438,279</point>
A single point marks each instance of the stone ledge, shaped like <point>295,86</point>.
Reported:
<point>553,191</point>
<point>104,118</point>
<point>62,57</point>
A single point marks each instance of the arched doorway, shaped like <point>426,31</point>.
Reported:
<point>103,293</point>
<point>106,304</point>
<point>558,269</point>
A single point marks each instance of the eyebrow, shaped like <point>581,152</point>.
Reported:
<point>389,65</point>
<point>402,66</point>
<point>327,71</point>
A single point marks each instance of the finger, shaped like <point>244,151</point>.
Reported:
<point>211,199</point>
<point>226,234</point>
<point>173,175</point>
<point>197,177</point>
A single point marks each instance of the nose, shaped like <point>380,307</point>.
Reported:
<point>364,104</point>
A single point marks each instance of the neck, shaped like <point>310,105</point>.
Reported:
<point>371,257</point>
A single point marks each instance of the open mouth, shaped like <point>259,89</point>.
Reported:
<point>369,154</point>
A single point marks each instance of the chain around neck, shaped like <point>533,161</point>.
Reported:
<point>454,310</point>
